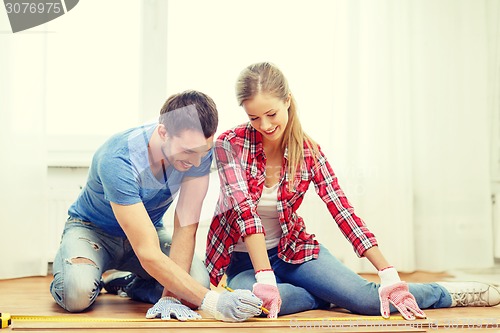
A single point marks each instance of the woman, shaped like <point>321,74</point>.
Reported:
<point>257,239</point>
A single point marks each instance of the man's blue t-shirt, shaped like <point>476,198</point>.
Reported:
<point>120,173</point>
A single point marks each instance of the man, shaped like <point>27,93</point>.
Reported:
<point>116,222</point>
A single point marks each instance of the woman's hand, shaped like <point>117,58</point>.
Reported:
<point>267,290</point>
<point>394,291</point>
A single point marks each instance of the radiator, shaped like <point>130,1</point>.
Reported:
<point>58,204</point>
<point>496,224</point>
<point>64,186</point>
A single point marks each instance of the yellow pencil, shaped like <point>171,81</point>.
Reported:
<point>266,311</point>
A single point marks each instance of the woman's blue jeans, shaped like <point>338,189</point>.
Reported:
<point>324,281</point>
<point>86,252</point>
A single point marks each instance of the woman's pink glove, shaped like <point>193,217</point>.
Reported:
<point>267,290</point>
<point>394,291</point>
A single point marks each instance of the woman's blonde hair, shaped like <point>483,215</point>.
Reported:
<point>266,78</point>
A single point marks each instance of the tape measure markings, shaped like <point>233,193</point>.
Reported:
<point>7,319</point>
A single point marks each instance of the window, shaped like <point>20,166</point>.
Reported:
<point>92,77</point>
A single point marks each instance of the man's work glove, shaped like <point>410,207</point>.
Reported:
<point>394,291</point>
<point>267,290</point>
<point>168,307</point>
<point>238,305</point>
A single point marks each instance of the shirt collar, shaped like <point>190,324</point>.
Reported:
<point>255,138</point>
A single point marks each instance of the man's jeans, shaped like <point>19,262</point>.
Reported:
<point>324,281</point>
<point>77,284</point>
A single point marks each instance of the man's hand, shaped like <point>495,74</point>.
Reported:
<point>238,305</point>
<point>168,306</point>
<point>394,291</point>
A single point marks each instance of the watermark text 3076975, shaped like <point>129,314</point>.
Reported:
<point>26,14</point>
<point>33,7</point>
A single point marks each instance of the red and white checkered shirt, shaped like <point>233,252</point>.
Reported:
<point>241,163</point>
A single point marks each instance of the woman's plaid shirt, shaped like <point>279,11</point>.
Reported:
<point>241,163</point>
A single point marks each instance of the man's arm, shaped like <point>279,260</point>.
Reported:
<point>186,219</point>
<point>187,216</point>
<point>236,306</point>
<point>142,235</point>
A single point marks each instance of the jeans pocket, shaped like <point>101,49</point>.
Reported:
<point>74,222</point>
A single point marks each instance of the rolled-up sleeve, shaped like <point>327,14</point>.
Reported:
<point>234,188</point>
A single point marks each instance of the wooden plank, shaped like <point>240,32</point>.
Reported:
<point>31,296</point>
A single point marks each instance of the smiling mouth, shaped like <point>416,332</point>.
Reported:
<point>271,132</point>
<point>185,164</point>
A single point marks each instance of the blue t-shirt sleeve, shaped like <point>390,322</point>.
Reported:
<point>119,183</point>
<point>203,169</point>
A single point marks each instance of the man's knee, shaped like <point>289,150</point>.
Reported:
<point>78,287</point>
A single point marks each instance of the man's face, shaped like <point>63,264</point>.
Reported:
<point>186,149</point>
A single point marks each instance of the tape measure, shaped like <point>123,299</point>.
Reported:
<point>75,319</point>
<point>6,319</point>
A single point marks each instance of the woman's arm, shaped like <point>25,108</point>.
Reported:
<point>375,256</point>
<point>256,246</point>
<point>265,287</point>
<point>351,225</point>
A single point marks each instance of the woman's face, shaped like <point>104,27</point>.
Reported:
<point>268,115</point>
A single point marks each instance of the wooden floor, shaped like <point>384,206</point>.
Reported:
<point>31,297</point>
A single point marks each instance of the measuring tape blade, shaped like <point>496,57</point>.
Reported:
<point>77,318</point>
<point>73,318</point>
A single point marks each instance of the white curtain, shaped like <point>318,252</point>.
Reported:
<point>371,138</point>
<point>411,128</point>
<point>23,169</point>
<point>451,138</point>
<point>395,91</point>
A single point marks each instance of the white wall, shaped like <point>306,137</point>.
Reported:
<point>492,21</point>
<point>93,77</point>
<point>23,214</point>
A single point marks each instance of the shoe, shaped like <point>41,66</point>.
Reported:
<point>472,293</point>
<point>145,290</point>
<point>116,283</point>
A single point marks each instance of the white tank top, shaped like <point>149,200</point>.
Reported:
<point>268,212</point>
